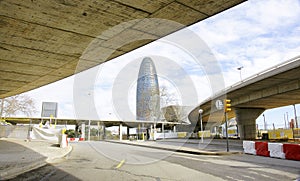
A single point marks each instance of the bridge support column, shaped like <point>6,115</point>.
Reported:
<point>246,121</point>
<point>83,130</point>
<point>120,131</point>
<point>128,132</point>
<point>104,132</point>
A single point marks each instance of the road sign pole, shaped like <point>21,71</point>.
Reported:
<point>29,129</point>
<point>226,129</point>
<point>89,131</point>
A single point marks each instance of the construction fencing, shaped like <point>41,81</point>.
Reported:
<point>284,133</point>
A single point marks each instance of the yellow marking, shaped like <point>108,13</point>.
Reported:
<point>120,164</point>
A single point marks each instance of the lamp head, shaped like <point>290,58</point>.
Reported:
<point>200,111</point>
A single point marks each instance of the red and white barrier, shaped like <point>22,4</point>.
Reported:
<point>276,150</point>
<point>292,151</point>
<point>249,147</point>
<point>75,139</point>
<point>262,149</point>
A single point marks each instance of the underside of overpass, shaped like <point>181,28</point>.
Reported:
<point>276,87</point>
<point>45,41</point>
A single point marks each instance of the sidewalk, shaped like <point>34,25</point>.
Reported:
<point>18,156</point>
<point>177,148</point>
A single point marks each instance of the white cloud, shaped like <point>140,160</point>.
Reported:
<point>273,14</point>
<point>255,34</point>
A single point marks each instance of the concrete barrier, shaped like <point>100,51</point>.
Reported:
<point>13,131</point>
<point>206,134</point>
<point>182,134</point>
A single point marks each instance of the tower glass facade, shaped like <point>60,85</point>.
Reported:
<point>147,96</point>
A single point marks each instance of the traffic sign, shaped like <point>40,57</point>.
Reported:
<point>219,104</point>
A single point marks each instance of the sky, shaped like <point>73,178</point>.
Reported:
<point>255,35</point>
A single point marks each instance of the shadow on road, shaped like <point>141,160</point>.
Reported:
<point>47,172</point>
<point>18,162</point>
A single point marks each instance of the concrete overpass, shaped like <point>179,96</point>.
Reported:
<point>72,121</point>
<point>275,87</point>
<point>83,123</point>
<point>45,41</point>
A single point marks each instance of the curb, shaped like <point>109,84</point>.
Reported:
<point>189,151</point>
<point>53,159</point>
<point>191,142</point>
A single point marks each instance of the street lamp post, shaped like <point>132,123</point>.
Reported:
<point>240,69</point>
<point>295,116</point>
<point>265,124</point>
<point>200,116</point>
<point>287,118</point>
<point>89,131</point>
<point>89,117</point>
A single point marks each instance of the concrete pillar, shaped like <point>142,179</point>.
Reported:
<point>163,129</point>
<point>120,131</point>
<point>246,118</point>
<point>128,132</point>
<point>138,131</point>
<point>104,132</point>
<point>154,132</point>
<point>83,130</point>
<point>98,130</point>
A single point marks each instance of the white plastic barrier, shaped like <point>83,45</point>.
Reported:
<point>249,147</point>
<point>166,135</point>
<point>276,150</point>
<point>64,141</point>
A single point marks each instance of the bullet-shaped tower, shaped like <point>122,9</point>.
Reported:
<point>147,95</point>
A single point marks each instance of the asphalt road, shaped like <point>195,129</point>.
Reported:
<point>112,161</point>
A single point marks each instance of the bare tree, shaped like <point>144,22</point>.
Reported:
<point>167,98</point>
<point>170,109</point>
<point>17,104</point>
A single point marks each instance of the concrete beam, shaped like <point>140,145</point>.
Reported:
<point>44,41</point>
<point>285,88</point>
<point>275,87</point>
